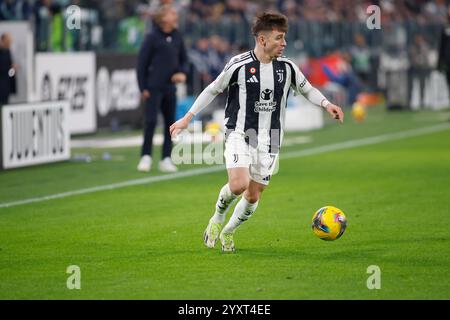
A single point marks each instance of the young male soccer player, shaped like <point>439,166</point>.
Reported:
<point>258,83</point>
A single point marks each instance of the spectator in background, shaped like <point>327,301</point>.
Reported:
<point>444,49</point>
<point>419,57</point>
<point>41,12</point>
<point>131,31</point>
<point>7,69</point>
<point>147,9</point>
<point>57,27</point>
<point>219,55</point>
<point>360,55</point>
<point>346,77</point>
<point>14,10</point>
<point>209,56</point>
<point>199,55</point>
<point>162,62</point>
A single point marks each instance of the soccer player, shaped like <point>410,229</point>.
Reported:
<point>258,83</point>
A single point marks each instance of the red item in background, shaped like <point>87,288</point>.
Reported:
<point>315,73</point>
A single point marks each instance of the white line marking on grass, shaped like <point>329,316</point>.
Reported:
<point>135,182</point>
<point>365,141</point>
<point>189,173</point>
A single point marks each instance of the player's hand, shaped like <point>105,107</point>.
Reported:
<point>179,77</point>
<point>180,125</point>
<point>145,94</point>
<point>336,112</point>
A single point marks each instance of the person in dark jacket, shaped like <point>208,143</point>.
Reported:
<point>7,69</point>
<point>444,50</point>
<point>162,63</point>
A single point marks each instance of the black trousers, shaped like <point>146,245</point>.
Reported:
<point>421,75</point>
<point>448,80</point>
<point>4,90</point>
<point>165,102</point>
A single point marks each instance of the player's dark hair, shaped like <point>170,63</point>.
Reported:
<point>270,21</point>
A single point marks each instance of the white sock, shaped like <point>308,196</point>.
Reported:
<point>224,202</point>
<point>243,211</point>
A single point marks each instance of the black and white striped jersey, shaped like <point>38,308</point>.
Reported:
<point>257,97</point>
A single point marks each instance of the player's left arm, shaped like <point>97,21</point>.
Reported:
<point>302,86</point>
<point>317,98</point>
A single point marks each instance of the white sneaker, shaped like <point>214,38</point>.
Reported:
<point>145,163</point>
<point>166,165</point>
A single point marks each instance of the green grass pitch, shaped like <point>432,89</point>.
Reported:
<point>145,241</point>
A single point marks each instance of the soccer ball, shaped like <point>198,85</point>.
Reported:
<point>329,223</point>
<point>359,112</point>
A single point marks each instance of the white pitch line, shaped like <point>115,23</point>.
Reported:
<point>189,173</point>
<point>135,182</point>
<point>366,141</point>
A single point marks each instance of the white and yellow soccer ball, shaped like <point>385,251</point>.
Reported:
<point>329,223</point>
<point>359,112</point>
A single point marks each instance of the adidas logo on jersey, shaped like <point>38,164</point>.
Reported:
<point>253,79</point>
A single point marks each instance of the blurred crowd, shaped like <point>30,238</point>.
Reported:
<point>214,10</point>
<point>323,10</point>
<point>215,30</point>
<point>120,25</point>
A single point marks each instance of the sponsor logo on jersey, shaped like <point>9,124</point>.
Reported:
<point>267,94</point>
<point>265,106</point>
<point>253,79</point>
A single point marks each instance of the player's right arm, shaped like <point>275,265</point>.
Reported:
<point>204,99</point>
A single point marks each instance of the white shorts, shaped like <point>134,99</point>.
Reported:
<point>260,162</point>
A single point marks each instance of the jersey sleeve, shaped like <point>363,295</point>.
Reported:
<point>299,83</point>
<point>222,81</point>
<point>216,87</point>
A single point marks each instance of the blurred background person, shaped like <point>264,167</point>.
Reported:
<point>15,9</point>
<point>219,55</point>
<point>346,77</point>
<point>162,63</point>
<point>199,55</point>
<point>419,57</point>
<point>41,17</point>
<point>7,69</point>
<point>361,59</point>
<point>444,49</point>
